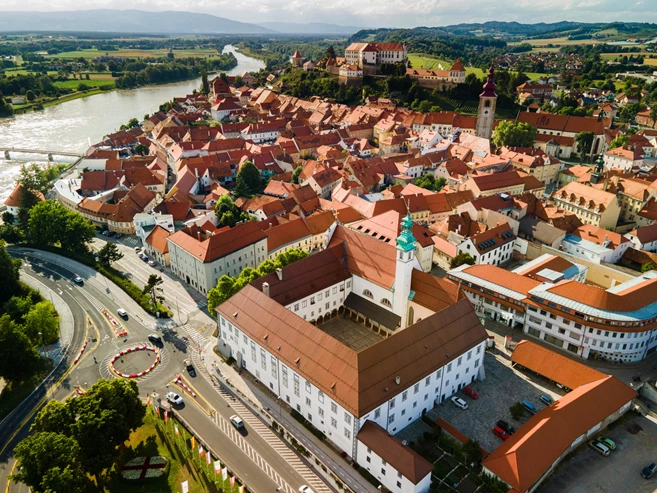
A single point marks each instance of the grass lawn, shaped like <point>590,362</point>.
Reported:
<point>427,61</point>
<point>93,53</point>
<point>155,437</point>
<point>74,83</point>
<point>71,97</point>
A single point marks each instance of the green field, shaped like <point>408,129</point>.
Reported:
<point>199,53</point>
<point>74,83</point>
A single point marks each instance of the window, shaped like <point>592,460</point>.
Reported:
<point>404,395</point>
<point>334,407</point>
<point>416,388</point>
<point>296,307</point>
<point>312,300</point>
<point>320,396</point>
<point>459,361</point>
<point>386,302</point>
<point>304,304</point>
<point>308,402</point>
<point>367,293</point>
<point>347,418</point>
<point>347,434</point>
<point>263,359</point>
<point>391,418</point>
<point>377,414</point>
<point>392,403</point>
<point>334,422</point>
<point>321,412</point>
<point>403,413</point>
<point>449,367</point>
<point>274,368</point>
<point>285,376</point>
<point>427,381</point>
<point>307,386</point>
<point>253,351</point>
<point>296,385</point>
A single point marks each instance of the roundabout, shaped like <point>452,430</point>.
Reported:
<point>135,361</point>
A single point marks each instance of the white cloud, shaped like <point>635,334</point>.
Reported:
<point>390,13</point>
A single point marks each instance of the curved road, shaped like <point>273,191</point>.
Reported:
<point>253,455</point>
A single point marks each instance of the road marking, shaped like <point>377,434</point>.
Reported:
<point>207,409</point>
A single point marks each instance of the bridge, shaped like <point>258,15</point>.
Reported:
<point>8,150</point>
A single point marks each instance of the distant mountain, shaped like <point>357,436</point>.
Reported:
<point>126,21</point>
<point>309,28</point>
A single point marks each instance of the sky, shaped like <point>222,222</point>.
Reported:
<point>376,13</point>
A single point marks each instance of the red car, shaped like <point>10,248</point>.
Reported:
<point>470,393</point>
<point>501,433</point>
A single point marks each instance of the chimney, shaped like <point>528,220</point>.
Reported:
<point>265,288</point>
<point>279,273</point>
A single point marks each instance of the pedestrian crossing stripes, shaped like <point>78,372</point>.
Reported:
<point>132,241</point>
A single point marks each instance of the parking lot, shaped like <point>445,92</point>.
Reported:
<point>503,387</point>
<point>586,471</point>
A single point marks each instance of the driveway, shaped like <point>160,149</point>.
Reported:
<point>503,387</point>
<point>586,471</point>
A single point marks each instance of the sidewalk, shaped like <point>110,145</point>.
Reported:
<point>328,456</point>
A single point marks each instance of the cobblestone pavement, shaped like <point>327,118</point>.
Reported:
<point>635,439</point>
<point>503,387</point>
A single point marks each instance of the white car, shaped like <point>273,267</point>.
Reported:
<point>458,402</point>
<point>305,489</point>
<point>122,313</point>
<point>174,398</point>
<point>152,263</point>
<point>237,421</point>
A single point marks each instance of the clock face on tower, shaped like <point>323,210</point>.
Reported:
<point>485,112</point>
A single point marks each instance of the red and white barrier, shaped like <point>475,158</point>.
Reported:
<point>84,346</point>
<point>180,382</point>
<point>143,347</point>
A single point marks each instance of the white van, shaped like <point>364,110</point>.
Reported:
<point>458,402</point>
<point>122,313</point>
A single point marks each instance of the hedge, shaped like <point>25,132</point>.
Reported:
<point>112,274</point>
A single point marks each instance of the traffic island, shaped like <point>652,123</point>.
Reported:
<point>135,362</point>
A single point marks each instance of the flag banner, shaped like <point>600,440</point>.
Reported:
<point>175,429</point>
<point>232,481</point>
<point>217,466</point>
<point>166,416</point>
<point>242,489</point>
<point>193,442</point>
<point>208,457</point>
<point>224,474</point>
<point>185,486</point>
<point>157,411</point>
<point>148,400</point>
<point>200,450</point>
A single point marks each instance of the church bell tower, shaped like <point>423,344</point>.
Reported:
<point>487,102</point>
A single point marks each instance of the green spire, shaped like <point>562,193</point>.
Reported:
<point>406,240</point>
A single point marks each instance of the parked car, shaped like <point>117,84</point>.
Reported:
<point>608,442</point>
<point>305,489</point>
<point>529,406</point>
<point>118,236</point>
<point>155,339</point>
<point>174,398</point>
<point>599,447</point>
<point>190,368</point>
<point>110,234</point>
<point>78,280</point>
<point>649,470</point>
<point>506,427</point>
<point>143,257</point>
<point>152,263</point>
<point>122,313</point>
<point>237,421</point>
<point>546,399</point>
<point>458,402</point>
<point>138,250</point>
<point>470,393</point>
<point>499,432</point>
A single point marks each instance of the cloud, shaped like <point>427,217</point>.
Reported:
<point>374,13</point>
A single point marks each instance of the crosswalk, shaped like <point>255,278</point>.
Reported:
<point>272,440</point>
<point>131,241</point>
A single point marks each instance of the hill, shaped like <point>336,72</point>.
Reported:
<point>126,21</point>
<point>309,28</point>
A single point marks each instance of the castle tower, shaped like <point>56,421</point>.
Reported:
<point>487,102</point>
<point>296,60</point>
<point>404,268</point>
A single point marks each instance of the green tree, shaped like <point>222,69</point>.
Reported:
<point>424,106</point>
<point>621,140</point>
<point>51,223</point>
<point>267,267</point>
<point>50,463</point>
<point>9,274</point>
<point>30,96</point>
<point>460,259</point>
<point>248,180</point>
<point>584,142</point>
<point>18,357</point>
<point>140,150</point>
<point>18,307</point>
<point>295,174</point>
<point>153,286</point>
<point>472,451</point>
<point>55,417</point>
<point>291,256</point>
<point>228,213</point>
<point>109,253</point>
<point>35,178</point>
<point>205,85</point>
<point>225,288</point>
<point>514,134</point>
<point>8,217</point>
<point>41,324</point>
<point>647,267</point>
<point>653,114</point>
<point>517,411</point>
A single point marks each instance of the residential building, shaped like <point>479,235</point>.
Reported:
<point>157,246</point>
<point>596,244</point>
<point>13,202</point>
<point>509,182</point>
<point>363,54</point>
<point>200,259</point>
<point>644,238</point>
<point>493,247</point>
<point>590,205</point>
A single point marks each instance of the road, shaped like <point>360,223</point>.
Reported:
<point>257,456</point>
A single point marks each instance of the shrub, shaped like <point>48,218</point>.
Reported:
<point>517,411</point>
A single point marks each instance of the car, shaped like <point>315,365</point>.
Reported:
<point>546,399</point>
<point>152,263</point>
<point>499,432</point>
<point>599,447</point>
<point>191,371</point>
<point>78,280</point>
<point>649,470</point>
<point>122,313</point>
<point>104,233</point>
<point>305,489</point>
<point>470,393</point>
<point>138,250</point>
<point>155,339</point>
<point>529,407</point>
<point>506,427</point>
<point>110,234</point>
<point>144,257</point>
<point>118,236</point>
<point>458,402</point>
<point>608,442</point>
<point>237,421</point>
<point>174,398</point>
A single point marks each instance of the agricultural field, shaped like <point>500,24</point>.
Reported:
<point>426,61</point>
<point>93,82</point>
<point>162,52</point>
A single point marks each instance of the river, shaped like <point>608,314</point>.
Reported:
<point>72,126</point>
